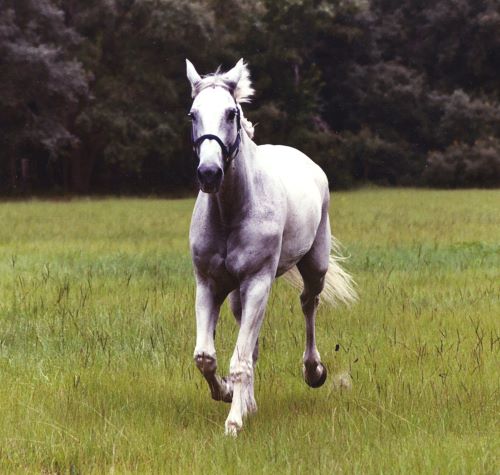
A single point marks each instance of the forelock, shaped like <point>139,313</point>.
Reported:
<point>242,92</point>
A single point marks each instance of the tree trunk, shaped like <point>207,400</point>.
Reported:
<point>13,172</point>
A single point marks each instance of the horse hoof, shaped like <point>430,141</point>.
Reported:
<point>227,393</point>
<point>221,390</point>
<point>315,381</point>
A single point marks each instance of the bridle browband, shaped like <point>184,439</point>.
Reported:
<point>228,153</point>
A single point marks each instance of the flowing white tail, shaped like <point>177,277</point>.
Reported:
<point>339,285</point>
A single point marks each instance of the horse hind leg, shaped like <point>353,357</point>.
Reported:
<point>313,268</point>
<point>314,371</point>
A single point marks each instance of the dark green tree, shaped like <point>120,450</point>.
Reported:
<point>43,89</point>
<point>94,94</point>
<point>426,83</point>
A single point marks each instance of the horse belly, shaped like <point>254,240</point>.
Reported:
<point>306,191</point>
<point>300,232</point>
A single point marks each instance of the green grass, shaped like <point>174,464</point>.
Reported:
<point>97,333</point>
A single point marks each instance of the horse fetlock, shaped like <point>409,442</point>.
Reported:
<point>206,363</point>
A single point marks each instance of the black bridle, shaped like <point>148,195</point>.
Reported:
<point>228,153</point>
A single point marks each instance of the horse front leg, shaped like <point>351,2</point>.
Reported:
<point>207,314</point>
<point>254,294</point>
<point>235,305</point>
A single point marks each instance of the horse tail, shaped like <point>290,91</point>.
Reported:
<point>339,284</point>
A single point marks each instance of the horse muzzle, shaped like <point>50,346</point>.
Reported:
<point>210,178</point>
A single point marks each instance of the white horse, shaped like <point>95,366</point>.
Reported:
<point>262,211</point>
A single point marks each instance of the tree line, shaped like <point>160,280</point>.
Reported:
<point>93,95</point>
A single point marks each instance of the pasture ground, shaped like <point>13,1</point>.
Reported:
<point>97,333</point>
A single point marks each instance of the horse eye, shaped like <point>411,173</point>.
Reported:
<point>231,115</point>
<point>192,116</point>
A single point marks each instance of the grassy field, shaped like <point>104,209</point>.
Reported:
<point>97,334</point>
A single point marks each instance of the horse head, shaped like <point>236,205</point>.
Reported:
<point>217,120</point>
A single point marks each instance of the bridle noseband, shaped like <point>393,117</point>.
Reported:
<point>228,153</point>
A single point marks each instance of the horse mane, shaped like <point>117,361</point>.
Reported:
<point>248,127</point>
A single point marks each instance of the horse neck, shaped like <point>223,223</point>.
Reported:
<point>235,195</point>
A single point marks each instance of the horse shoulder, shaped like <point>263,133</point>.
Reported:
<point>207,241</point>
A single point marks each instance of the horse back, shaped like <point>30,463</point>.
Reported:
<point>305,192</point>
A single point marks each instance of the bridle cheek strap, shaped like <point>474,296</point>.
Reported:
<point>228,154</point>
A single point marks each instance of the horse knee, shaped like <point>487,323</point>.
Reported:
<point>241,370</point>
<point>313,286</point>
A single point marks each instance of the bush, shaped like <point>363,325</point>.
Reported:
<point>375,159</point>
<point>465,165</point>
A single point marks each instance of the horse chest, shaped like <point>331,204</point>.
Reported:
<point>209,256</point>
<point>231,255</point>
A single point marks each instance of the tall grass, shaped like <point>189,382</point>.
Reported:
<point>97,334</point>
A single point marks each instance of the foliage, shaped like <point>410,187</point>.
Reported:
<point>440,61</point>
<point>367,88</point>
<point>43,86</point>
<point>461,164</point>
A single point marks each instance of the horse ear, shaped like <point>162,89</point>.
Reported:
<point>233,76</point>
<point>238,80</point>
<point>192,75</point>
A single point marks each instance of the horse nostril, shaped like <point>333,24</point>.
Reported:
<point>200,174</point>
<point>209,174</point>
